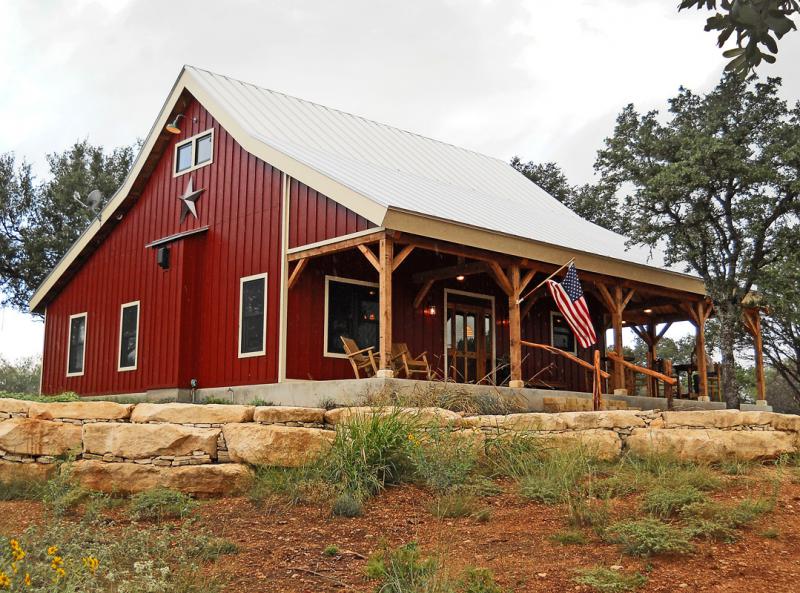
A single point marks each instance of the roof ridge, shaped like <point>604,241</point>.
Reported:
<point>347,113</point>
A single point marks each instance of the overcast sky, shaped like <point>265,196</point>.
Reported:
<point>540,79</point>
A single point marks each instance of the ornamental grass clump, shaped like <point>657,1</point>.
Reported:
<point>668,502</point>
<point>159,504</point>
<point>605,580</point>
<point>649,537</point>
<point>716,521</point>
<point>443,459</point>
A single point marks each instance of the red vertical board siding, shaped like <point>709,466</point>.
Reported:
<point>188,314</point>
<point>314,217</point>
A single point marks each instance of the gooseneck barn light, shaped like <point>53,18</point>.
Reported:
<point>172,127</point>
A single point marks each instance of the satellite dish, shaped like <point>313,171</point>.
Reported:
<point>93,201</point>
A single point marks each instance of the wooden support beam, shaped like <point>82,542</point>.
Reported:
<point>401,257</point>
<point>699,313</point>
<point>752,322</point>
<point>451,272</point>
<point>526,279</point>
<point>515,326</point>
<point>336,247</point>
<point>501,278</point>
<point>423,292</point>
<point>295,275</point>
<point>385,305</point>
<point>615,301</point>
<point>367,252</point>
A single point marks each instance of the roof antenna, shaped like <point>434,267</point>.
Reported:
<point>93,201</point>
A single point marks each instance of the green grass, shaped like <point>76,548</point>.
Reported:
<point>444,459</point>
<point>636,474</point>
<point>67,396</point>
<point>331,551</point>
<point>667,502</point>
<point>649,537</point>
<point>20,490</point>
<point>159,504</point>
<point>347,505</point>
<point>207,547</point>
<point>290,486</point>
<point>454,505</point>
<point>569,538</point>
<point>605,580</point>
<point>717,521</point>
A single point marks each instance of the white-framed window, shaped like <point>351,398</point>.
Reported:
<point>194,152</point>
<point>128,337</point>
<point>76,344</point>
<point>351,310</point>
<point>561,335</point>
<point>253,315</point>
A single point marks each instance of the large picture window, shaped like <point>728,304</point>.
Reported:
<point>351,310</point>
<point>76,346</point>
<point>561,335</point>
<point>252,315</point>
<point>128,336</point>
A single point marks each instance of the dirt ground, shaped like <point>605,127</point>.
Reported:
<point>281,547</point>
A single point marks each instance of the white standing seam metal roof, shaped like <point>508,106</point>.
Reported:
<point>375,169</point>
<point>406,171</point>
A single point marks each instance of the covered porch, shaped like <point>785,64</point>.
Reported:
<point>474,314</point>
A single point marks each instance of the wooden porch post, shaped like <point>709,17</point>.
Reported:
<point>752,321</point>
<point>616,303</point>
<point>515,329</point>
<point>700,312</point>
<point>386,257</point>
<point>652,384</point>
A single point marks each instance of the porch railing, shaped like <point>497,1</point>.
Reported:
<point>666,377</point>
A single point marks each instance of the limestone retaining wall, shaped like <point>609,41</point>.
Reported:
<point>209,449</point>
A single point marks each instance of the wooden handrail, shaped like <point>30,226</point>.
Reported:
<point>644,370</point>
<point>567,355</point>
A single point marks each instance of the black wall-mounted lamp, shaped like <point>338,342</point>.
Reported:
<point>162,257</point>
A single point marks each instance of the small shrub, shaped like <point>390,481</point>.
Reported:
<point>210,548</point>
<point>443,459</point>
<point>557,476</point>
<point>453,505</point>
<point>715,521</point>
<point>605,580</point>
<point>649,537</point>
<point>62,494</point>
<point>615,486</point>
<point>667,471</point>
<point>347,505</point>
<point>331,551</point>
<point>478,580</point>
<point>402,570</point>
<point>771,533</point>
<point>666,502</point>
<point>328,403</point>
<point>483,515</point>
<point>588,513</point>
<point>159,504</point>
<point>569,538</point>
<point>20,490</point>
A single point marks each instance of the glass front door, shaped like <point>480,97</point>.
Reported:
<point>469,342</point>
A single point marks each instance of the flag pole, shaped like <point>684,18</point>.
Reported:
<point>542,283</point>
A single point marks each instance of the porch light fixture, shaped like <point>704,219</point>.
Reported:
<point>460,277</point>
<point>429,311</point>
<point>172,127</point>
<point>648,311</point>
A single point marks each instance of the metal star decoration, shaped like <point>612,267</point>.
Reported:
<point>188,199</point>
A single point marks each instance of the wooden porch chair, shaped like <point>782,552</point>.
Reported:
<point>410,365</point>
<point>363,358</point>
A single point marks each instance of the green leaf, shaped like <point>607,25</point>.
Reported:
<point>732,53</point>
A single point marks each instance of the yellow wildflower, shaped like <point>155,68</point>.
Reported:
<point>16,550</point>
<point>27,580</point>
<point>91,563</point>
<point>5,582</point>
<point>51,551</point>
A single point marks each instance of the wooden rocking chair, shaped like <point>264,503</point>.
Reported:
<point>410,365</point>
<point>362,358</point>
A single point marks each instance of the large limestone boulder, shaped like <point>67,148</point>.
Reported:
<point>80,411</point>
<point>286,414</point>
<point>142,441</point>
<point>14,406</point>
<point>712,445</point>
<point>25,472</point>
<point>788,422</point>
<point>192,413</point>
<point>23,436</point>
<point>601,444</point>
<point>422,416</point>
<point>538,421</point>
<point>713,419</point>
<point>129,478</point>
<point>283,446</point>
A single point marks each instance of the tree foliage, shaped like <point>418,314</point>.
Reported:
<point>596,203</point>
<point>21,376</point>
<point>758,25</point>
<point>40,220</point>
<point>717,184</point>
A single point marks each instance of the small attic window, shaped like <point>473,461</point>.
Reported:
<point>194,152</point>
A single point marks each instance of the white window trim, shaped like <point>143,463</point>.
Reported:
<point>193,140</point>
<point>474,295</point>
<point>136,346</point>
<point>554,314</point>
<point>85,316</point>
<point>242,280</point>
<point>328,280</point>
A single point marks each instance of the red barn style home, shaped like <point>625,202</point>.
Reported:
<point>256,231</point>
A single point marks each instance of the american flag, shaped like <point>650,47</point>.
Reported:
<point>568,295</point>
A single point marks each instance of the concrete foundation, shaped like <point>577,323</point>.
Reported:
<point>354,391</point>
